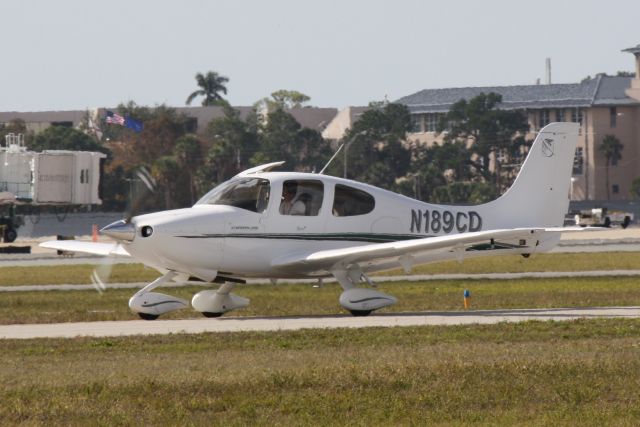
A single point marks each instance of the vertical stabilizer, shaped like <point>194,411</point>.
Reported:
<point>539,196</point>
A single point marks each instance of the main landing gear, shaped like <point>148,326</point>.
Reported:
<point>214,303</point>
<point>211,303</point>
<point>360,301</point>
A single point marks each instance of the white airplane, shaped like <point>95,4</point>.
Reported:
<point>300,225</point>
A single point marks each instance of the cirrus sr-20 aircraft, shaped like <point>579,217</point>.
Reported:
<point>275,225</point>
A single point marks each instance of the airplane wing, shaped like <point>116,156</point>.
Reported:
<point>416,251</point>
<point>105,249</point>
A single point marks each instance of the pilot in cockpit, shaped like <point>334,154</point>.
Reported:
<point>289,206</point>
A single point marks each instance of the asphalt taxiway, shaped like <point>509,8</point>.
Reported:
<point>236,324</point>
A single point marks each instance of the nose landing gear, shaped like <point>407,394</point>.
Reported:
<point>150,305</point>
<point>211,303</point>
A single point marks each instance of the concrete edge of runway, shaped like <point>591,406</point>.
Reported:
<point>244,324</point>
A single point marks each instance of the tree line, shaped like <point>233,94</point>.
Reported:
<point>476,160</point>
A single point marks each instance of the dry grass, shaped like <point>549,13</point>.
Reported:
<point>574,373</point>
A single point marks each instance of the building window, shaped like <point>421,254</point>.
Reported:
<point>431,122</point>
<point>501,156</point>
<point>62,124</point>
<point>416,123</point>
<point>615,188</point>
<point>613,117</point>
<point>191,125</point>
<point>576,115</point>
<point>578,161</point>
<point>544,118</point>
<point>559,115</point>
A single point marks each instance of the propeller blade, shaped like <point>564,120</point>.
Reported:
<point>101,274</point>
<point>143,185</point>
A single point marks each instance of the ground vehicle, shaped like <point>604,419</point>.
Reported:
<point>48,178</point>
<point>603,217</point>
<point>9,225</point>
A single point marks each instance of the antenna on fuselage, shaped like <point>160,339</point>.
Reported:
<point>331,159</point>
<point>344,144</point>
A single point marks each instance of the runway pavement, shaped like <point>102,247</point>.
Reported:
<point>235,324</point>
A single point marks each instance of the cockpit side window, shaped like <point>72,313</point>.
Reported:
<point>251,194</point>
<point>349,201</point>
<point>301,197</point>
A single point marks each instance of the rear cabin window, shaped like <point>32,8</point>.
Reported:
<point>349,201</point>
<point>251,194</point>
<point>301,197</point>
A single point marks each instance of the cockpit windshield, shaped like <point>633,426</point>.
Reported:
<point>251,194</point>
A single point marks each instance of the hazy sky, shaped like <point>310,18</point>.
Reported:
<point>66,54</point>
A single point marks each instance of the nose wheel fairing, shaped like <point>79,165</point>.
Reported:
<point>149,305</point>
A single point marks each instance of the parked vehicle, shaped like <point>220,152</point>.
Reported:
<point>52,177</point>
<point>602,217</point>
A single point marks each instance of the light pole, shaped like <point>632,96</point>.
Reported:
<point>346,148</point>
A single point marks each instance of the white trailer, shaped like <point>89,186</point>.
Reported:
<point>66,178</point>
<point>52,177</point>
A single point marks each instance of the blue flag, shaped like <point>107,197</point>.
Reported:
<point>134,124</point>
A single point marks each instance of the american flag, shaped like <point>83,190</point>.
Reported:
<point>115,118</point>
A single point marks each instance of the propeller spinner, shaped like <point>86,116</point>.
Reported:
<point>121,230</point>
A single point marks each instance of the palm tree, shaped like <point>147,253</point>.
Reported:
<point>210,85</point>
<point>611,149</point>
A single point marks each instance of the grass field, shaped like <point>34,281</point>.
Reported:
<point>80,274</point>
<point>535,373</point>
<point>571,373</point>
<point>303,299</point>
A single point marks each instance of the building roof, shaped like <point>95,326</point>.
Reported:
<point>313,117</point>
<point>343,121</point>
<point>611,91</point>
<point>310,117</point>
<point>205,114</point>
<point>603,90</point>
<point>43,116</point>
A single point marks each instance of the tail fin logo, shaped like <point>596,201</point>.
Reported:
<point>547,147</point>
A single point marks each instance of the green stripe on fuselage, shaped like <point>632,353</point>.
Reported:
<point>352,237</point>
